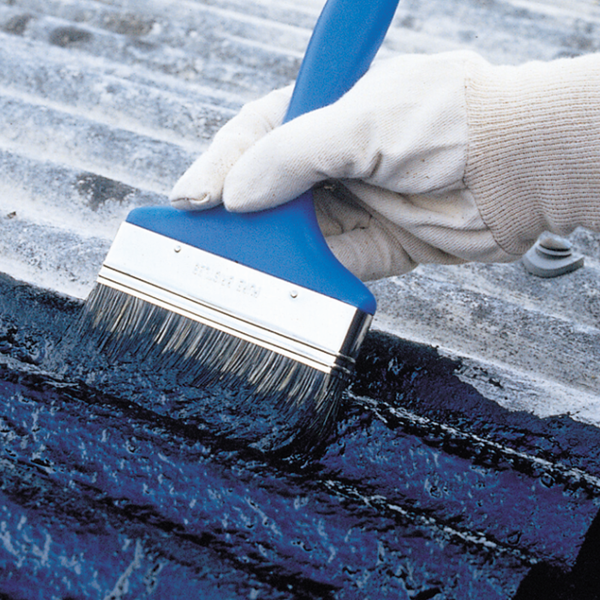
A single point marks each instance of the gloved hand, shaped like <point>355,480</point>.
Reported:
<point>416,155</point>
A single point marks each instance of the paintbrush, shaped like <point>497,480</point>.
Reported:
<point>257,300</point>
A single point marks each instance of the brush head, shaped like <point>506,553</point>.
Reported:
<point>167,305</point>
<point>277,314</point>
<point>279,327</point>
<point>280,404</point>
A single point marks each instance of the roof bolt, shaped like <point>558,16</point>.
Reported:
<point>552,245</point>
<point>551,256</point>
<point>177,248</point>
<point>294,294</point>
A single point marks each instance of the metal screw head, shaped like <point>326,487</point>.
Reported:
<point>177,248</point>
<point>553,242</point>
<point>551,256</point>
<point>294,294</point>
<point>552,246</point>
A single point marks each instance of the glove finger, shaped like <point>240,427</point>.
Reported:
<point>365,242</point>
<point>371,252</point>
<point>338,210</point>
<point>285,163</point>
<point>201,186</point>
<point>401,127</point>
<point>370,257</point>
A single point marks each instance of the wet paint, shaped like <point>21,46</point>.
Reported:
<point>115,485</point>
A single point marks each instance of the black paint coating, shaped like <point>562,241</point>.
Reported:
<point>115,485</point>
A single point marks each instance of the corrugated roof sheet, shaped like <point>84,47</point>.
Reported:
<point>103,104</point>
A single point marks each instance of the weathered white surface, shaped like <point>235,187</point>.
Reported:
<point>104,104</point>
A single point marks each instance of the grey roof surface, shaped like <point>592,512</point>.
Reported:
<point>104,104</point>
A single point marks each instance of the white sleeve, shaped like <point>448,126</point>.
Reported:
<point>534,147</point>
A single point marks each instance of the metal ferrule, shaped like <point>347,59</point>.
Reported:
<point>293,321</point>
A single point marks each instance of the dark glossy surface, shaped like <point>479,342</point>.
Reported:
<point>113,487</point>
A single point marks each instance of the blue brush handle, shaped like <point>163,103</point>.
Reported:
<point>286,241</point>
<point>344,42</point>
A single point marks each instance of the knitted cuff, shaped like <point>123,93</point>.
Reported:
<point>534,148</point>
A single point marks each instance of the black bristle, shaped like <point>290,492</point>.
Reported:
<point>127,329</point>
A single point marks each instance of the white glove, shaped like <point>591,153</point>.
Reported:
<point>400,142</point>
